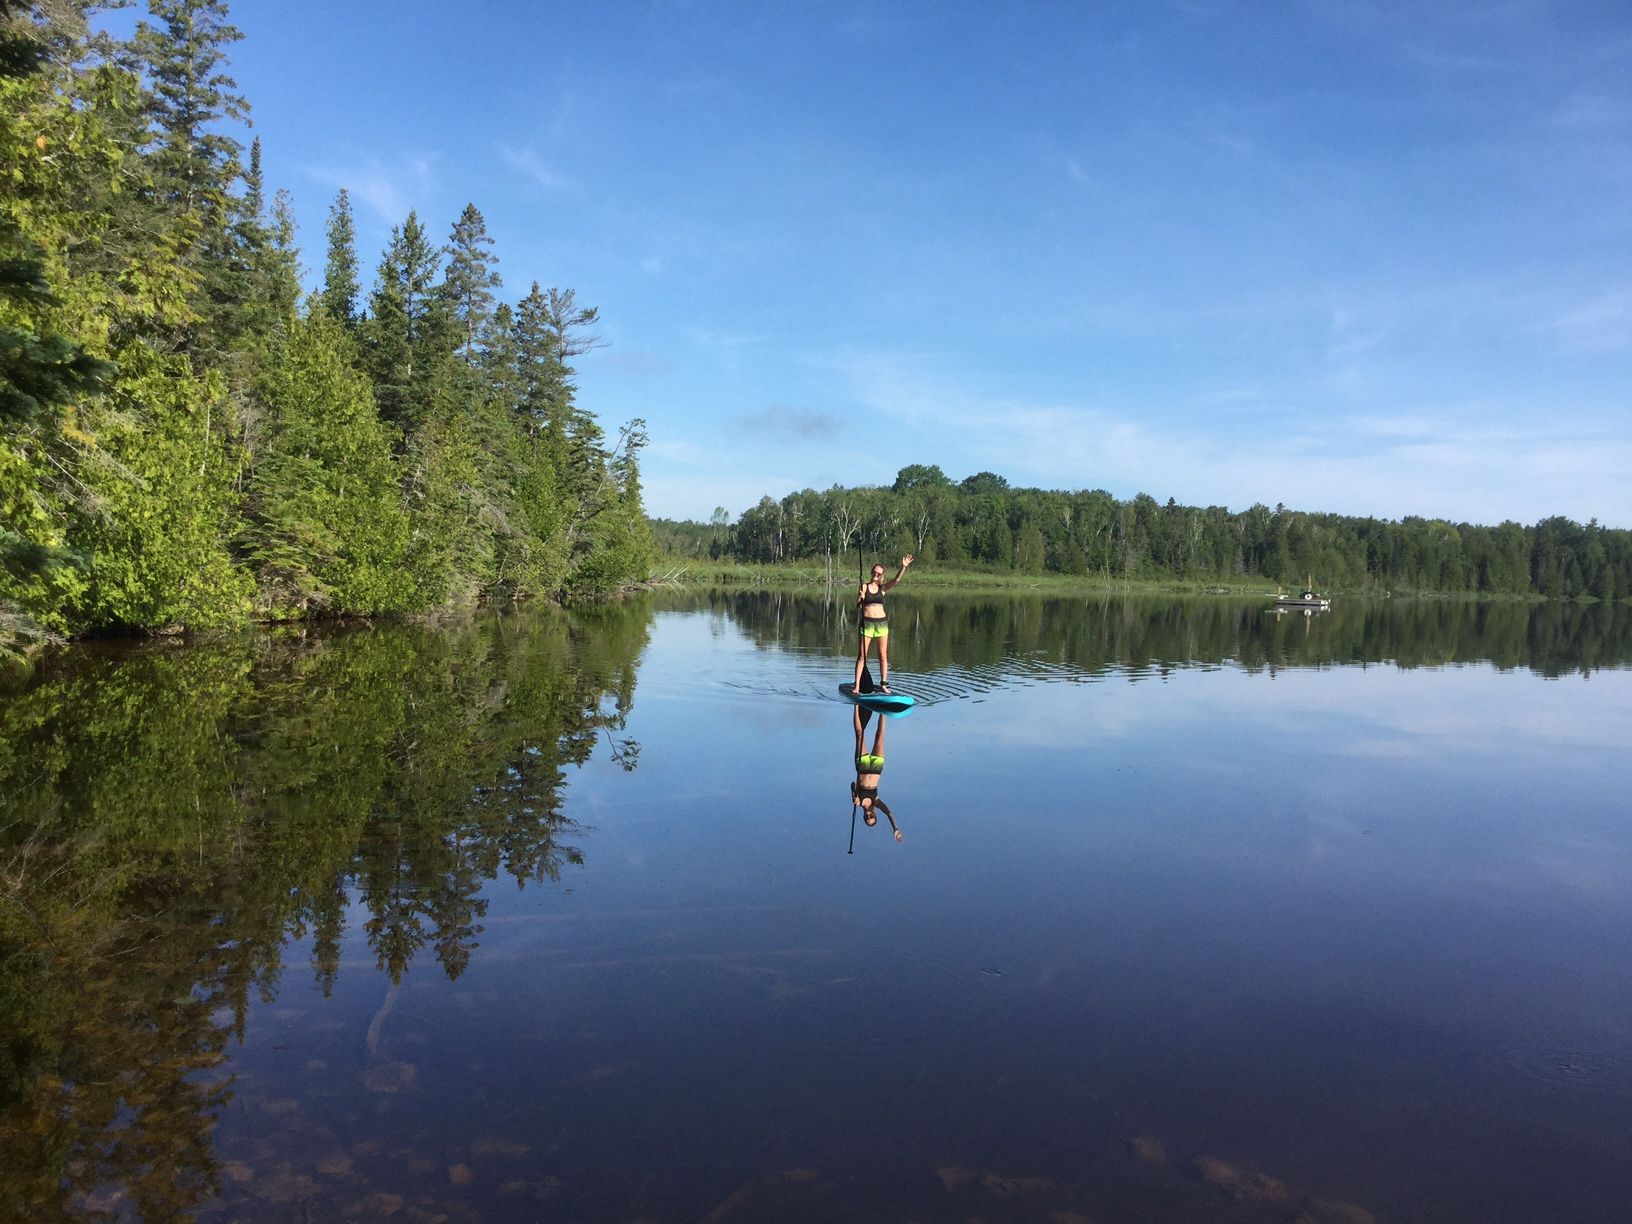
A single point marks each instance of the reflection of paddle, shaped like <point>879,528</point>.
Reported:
<point>852,849</point>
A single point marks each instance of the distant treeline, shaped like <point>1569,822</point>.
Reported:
<point>186,441</point>
<point>982,523</point>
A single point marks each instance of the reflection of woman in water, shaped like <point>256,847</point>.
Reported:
<point>869,766</point>
<point>874,625</point>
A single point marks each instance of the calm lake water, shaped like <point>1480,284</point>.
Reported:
<point>1198,914</point>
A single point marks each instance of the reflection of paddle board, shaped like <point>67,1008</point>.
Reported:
<point>890,703</point>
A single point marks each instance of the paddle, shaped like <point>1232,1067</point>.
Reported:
<point>852,849</point>
<point>866,685</point>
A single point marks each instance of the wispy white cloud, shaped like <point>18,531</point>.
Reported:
<point>528,163</point>
<point>652,265</point>
<point>1599,324</point>
<point>726,347</point>
<point>388,190</point>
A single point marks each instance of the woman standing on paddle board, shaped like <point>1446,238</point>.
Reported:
<point>869,768</point>
<point>874,623</point>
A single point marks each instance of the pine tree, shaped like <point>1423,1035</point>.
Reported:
<point>194,163</point>
<point>471,276</point>
<point>528,540</point>
<point>539,370</point>
<point>408,335</point>
<point>278,273</point>
<point>254,184</point>
<point>340,289</point>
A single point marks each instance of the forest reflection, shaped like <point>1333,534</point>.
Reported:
<point>175,817</point>
<point>1098,633</point>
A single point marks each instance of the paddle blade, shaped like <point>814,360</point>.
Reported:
<point>866,685</point>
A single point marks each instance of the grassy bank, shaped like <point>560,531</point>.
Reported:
<point>691,571</point>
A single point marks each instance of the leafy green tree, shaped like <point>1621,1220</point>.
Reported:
<point>984,483</point>
<point>917,476</point>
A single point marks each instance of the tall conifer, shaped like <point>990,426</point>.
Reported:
<point>472,276</point>
<point>408,333</point>
<point>195,161</point>
<point>340,289</point>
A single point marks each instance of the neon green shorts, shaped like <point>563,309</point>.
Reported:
<point>868,763</point>
<point>875,628</point>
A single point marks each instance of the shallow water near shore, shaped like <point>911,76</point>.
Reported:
<point>1198,913</point>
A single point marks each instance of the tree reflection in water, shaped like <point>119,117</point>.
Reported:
<point>173,815</point>
<point>1098,632</point>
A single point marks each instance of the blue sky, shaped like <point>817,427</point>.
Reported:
<point>1364,257</point>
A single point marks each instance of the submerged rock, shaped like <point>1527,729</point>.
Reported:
<point>1335,1211</point>
<point>389,1076</point>
<point>1255,1187</point>
<point>1149,1149</point>
<point>286,1186</point>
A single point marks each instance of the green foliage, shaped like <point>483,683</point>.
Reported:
<point>245,461</point>
<point>326,530</point>
<point>159,505</point>
<point>450,551</point>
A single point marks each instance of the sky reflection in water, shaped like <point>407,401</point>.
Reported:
<point>1237,938</point>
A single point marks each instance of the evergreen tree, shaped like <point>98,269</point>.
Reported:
<point>471,276</point>
<point>529,543</point>
<point>43,371</point>
<point>540,371</point>
<point>549,333</point>
<point>194,163</point>
<point>327,531</point>
<point>254,184</point>
<point>278,270</point>
<point>156,523</point>
<point>450,557</point>
<point>408,335</point>
<point>340,289</point>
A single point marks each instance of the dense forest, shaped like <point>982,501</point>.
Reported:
<point>981,523</point>
<point>188,439</point>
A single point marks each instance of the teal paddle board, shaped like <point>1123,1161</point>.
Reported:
<point>890,703</point>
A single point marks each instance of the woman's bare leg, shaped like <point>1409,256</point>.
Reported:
<point>884,660</point>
